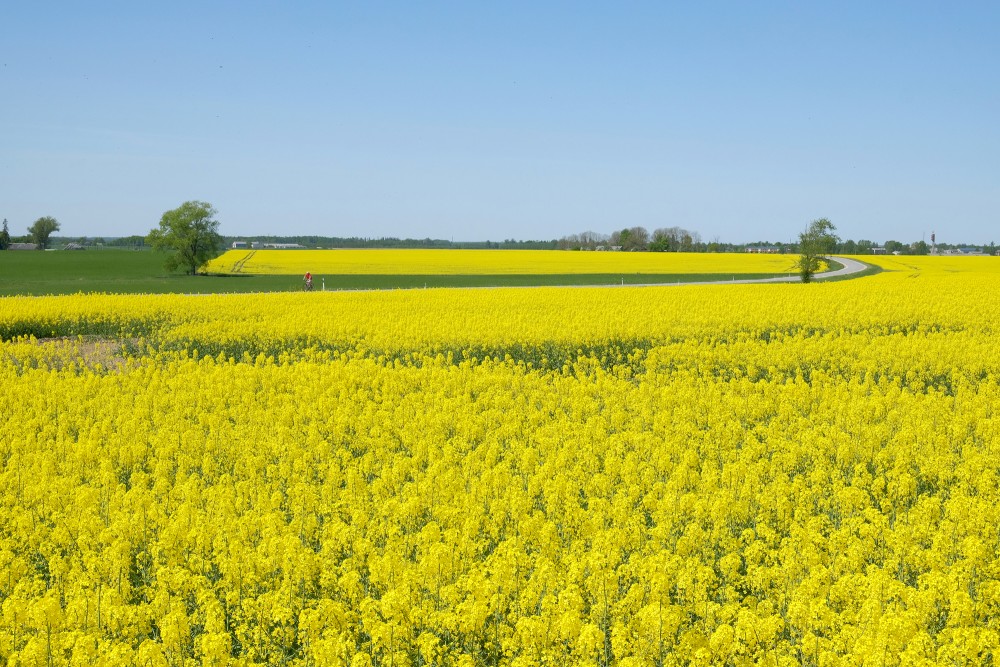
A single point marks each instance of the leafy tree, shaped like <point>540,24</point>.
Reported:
<point>920,248</point>
<point>621,238</point>
<point>894,246</point>
<point>190,233</point>
<point>675,239</point>
<point>689,240</point>
<point>4,236</point>
<point>41,230</point>
<point>816,242</point>
<point>664,239</point>
<point>632,238</point>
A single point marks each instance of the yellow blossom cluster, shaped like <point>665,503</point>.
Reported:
<point>693,475</point>
<point>388,261</point>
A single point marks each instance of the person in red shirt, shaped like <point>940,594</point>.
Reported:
<point>309,281</point>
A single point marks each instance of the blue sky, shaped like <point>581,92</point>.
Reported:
<point>485,121</point>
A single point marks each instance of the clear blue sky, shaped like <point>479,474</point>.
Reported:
<point>476,121</point>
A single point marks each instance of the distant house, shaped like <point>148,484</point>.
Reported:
<point>879,250</point>
<point>239,245</point>
<point>764,249</point>
<point>971,251</point>
<point>283,246</point>
<point>976,252</point>
<point>22,246</point>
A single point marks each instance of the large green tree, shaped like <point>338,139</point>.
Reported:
<point>190,234</point>
<point>4,236</point>
<point>815,243</point>
<point>41,230</point>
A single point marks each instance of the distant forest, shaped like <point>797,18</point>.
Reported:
<point>668,239</point>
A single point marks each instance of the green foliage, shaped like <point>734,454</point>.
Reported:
<point>41,230</point>
<point>893,247</point>
<point>133,241</point>
<point>190,234</point>
<point>4,236</point>
<point>816,242</point>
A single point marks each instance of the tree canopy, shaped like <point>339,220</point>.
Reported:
<point>4,236</point>
<point>190,234</point>
<point>41,230</point>
<point>816,242</point>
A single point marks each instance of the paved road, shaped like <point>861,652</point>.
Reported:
<point>850,266</point>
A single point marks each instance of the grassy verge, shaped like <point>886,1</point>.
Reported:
<point>870,270</point>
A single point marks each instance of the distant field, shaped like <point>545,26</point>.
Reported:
<point>142,272</point>
<point>388,262</point>
<point>916,265</point>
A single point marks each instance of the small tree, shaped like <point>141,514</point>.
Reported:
<point>190,234</point>
<point>816,242</point>
<point>4,236</point>
<point>41,230</point>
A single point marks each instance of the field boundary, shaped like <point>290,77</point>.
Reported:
<point>49,274</point>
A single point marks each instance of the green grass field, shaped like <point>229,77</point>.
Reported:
<point>25,272</point>
<point>115,271</point>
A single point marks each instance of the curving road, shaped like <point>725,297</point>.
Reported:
<point>849,267</point>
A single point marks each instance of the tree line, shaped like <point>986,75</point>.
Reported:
<point>666,239</point>
<point>314,241</point>
<point>678,239</point>
<point>628,239</point>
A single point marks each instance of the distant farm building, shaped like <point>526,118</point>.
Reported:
<point>971,251</point>
<point>764,249</point>
<point>974,252</point>
<point>22,246</point>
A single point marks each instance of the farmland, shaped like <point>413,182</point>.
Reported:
<point>727,474</point>
<point>141,272</point>
<point>116,271</point>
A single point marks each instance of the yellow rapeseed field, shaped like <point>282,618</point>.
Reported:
<point>491,262</point>
<point>778,474</point>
